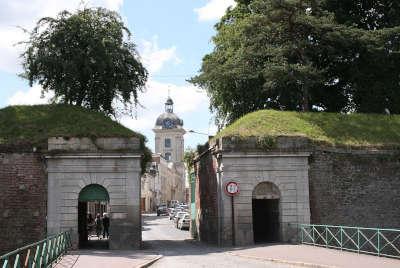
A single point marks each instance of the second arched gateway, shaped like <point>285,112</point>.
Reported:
<point>273,198</point>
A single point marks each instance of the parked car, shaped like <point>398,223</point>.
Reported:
<point>184,223</point>
<point>173,203</point>
<point>179,216</point>
<point>184,207</point>
<point>171,213</point>
<point>176,211</point>
<point>162,210</point>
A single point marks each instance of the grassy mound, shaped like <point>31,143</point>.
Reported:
<point>34,124</point>
<point>331,128</point>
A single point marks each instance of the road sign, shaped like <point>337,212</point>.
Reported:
<point>232,188</point>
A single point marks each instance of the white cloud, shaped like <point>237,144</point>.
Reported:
<point>190,103</point>
<point>31,96</point>
<point>154,58</point>
<point>213,10</point>
<point>187,99</point>
<point>21,13</point>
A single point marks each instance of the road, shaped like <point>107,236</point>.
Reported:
<point>179,250</point>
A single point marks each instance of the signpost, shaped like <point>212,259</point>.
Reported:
<point>232,189</point>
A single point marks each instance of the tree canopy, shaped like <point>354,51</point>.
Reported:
<point>86,58</point>
<point>188,158</point>
<point>303,55</point>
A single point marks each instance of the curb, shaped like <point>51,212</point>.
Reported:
<point>303,264</point>
<point>150,262</point>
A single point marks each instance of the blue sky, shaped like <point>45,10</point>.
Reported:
<point>171,36</point>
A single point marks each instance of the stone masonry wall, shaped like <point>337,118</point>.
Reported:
<point>288,172</point>
<point>75,163</point>
<point>357,188</point>
<point>206,200</point>
<point>23,192</point>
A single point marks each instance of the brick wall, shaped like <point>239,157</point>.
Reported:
<point>23,194</point>
<point>355,188</point>
<point>206,199</point>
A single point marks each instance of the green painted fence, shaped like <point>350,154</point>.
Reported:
<point>381,242</point>
<point>39,254</point>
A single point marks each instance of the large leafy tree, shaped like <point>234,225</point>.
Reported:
<point>366,14</point>
<point>86,58</point>
<point>294,55</point>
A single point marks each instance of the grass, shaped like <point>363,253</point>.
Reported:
<point>35,124</point>
<point>331,128</point>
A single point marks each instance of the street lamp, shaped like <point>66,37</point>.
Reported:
<point>192,131</point>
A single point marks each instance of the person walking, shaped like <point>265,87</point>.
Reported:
<point>98,225</point>
<point>106,225</point>
<point>90,225</point>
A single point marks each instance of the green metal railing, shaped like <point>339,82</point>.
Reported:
<point>381,242</point>
<point>39,254</point>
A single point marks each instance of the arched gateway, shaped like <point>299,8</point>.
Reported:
<point>266,216</point>
<point>96,176</point>
<point>93,199</point>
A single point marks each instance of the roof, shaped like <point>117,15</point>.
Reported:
<point>175,120</point>
<point>35,124</point>
<point>169,101</point>
<point>332,128</point>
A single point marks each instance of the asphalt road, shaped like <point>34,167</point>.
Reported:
<point>160,235</point>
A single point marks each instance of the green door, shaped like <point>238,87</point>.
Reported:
<point>93,192</point>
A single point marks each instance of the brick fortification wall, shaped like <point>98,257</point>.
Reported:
<point>206,200</point>
<point>23,194</point>
<point>355,188</point>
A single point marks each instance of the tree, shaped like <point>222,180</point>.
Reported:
<point>294,55</point>
<point>86,58</point>
<point>188,158</point>
<point>370,14</point>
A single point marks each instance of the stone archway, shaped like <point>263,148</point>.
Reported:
<point>93,200</point>
<point>266,212</point>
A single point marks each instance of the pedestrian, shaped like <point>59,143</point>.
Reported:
<point>106,225</point>
<point>90,224</point>
<point>98,225</point>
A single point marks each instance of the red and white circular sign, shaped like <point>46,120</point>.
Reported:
<point>232,188</point>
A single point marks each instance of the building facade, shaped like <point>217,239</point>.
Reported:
<point>296,182</point>
<point>45,193</point>
<point>165,177</point>
<point>81,171</point>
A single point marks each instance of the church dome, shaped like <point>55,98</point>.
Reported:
<point>168,119</point>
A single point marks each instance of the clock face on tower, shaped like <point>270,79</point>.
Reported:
<point>168,123</point>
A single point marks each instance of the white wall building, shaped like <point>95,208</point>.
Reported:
<point>165,179</point>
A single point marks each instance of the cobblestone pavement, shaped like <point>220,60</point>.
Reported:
<point>178,250</point>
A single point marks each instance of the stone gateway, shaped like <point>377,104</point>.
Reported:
<point>79,172</point>
<point>296,182</point>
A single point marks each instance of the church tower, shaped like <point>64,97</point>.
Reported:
<point>169,135</point>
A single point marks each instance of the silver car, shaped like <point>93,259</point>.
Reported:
<point>179,215</point>
<point>184,222</point>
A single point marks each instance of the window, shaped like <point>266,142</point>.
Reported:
<point>168,156</point>
<point>167,143</point>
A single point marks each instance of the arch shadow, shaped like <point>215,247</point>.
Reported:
<point>93,202</point>
<point>266,213</point>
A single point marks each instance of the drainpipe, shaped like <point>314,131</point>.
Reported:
<point>219,196</point>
